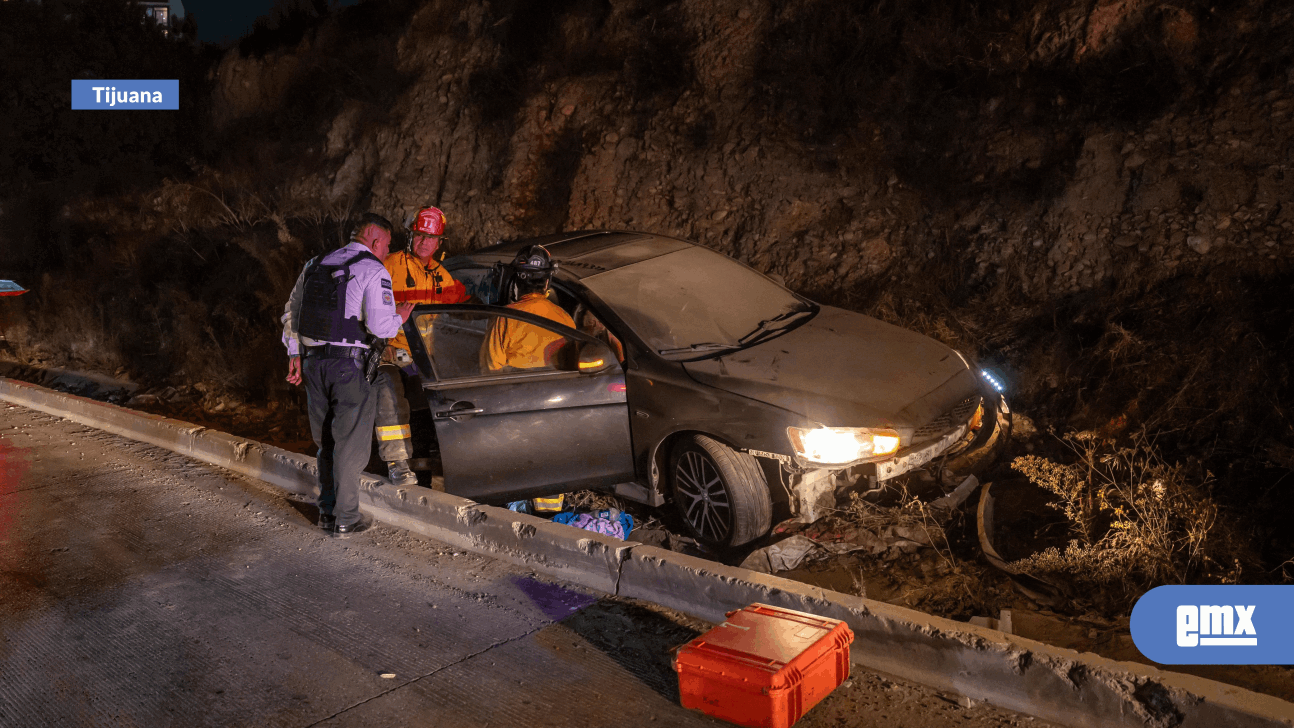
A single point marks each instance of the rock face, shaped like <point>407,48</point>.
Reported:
<point>778,133</point>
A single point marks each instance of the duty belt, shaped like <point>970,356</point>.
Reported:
<point>334,351</point>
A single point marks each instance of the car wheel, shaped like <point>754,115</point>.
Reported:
<point>721,493</point>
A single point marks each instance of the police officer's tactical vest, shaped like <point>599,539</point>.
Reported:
<point>323,302</point>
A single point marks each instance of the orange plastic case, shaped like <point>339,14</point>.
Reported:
<point>764,667</point>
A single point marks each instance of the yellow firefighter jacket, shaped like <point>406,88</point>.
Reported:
<point>413,282</point>
<point>517,344</point>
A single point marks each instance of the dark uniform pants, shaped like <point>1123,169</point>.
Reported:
<point>393,434</point>
<point>341,404</point>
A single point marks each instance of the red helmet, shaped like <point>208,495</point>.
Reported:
<point>429,221</point>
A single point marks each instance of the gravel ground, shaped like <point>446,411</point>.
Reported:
<point>143,588</point>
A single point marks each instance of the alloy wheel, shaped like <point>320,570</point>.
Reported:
<point>704,499</point>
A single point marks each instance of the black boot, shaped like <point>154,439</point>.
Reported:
<point>401,474</point>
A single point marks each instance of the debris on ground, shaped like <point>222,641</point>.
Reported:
<point>608,522</point>
<point>781,556</point>
<point>1038,589</point>
<point>826,542</point>
<point>943,507</point>
<point>861,527</point>
<point>539,506</point>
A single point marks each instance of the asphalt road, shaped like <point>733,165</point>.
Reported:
<point>140,588</point>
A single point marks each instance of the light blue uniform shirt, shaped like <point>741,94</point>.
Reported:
<point>368,297</point>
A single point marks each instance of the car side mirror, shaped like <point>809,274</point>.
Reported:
<point>595,357</point>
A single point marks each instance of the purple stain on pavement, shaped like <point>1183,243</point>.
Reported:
<point>556,602</point>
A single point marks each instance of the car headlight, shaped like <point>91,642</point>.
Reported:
<point>839,445</point>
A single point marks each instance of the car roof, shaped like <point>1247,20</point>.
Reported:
<point>587,253</point>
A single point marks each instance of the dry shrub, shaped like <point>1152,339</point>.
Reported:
<point>1137,522</point>
<point>937,583</point>
<point>963,591</point>
<point>910,514</point>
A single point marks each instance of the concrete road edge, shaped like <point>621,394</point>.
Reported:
<point>1059,685</point>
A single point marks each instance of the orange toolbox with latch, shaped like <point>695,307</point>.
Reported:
<point>764,667</point>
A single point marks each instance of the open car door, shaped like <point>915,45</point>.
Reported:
<point>508,433</point>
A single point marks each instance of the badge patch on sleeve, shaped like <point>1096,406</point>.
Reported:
<point>386,297</point>
<point>386,284</point>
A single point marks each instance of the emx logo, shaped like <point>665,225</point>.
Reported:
<point>1219,623</point>
<point>1173,625</point>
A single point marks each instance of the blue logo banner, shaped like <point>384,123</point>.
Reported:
<point>1216,625</point>
<point>126,94</point>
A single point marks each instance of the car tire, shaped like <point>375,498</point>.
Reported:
<point>720,493</point>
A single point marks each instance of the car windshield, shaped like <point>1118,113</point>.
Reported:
<point>696,301</point>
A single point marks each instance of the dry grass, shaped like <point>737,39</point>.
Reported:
<point>1137,522</point>
<point>933,579</point>
<point>910,513</point>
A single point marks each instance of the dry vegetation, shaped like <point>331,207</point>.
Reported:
<point>1137,522</point>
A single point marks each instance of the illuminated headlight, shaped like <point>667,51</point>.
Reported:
<point>840,445</point>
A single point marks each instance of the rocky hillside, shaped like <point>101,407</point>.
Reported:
<point>1090,195</point>
<point>1049,146</point>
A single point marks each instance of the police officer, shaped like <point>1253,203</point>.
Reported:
<point>416,277</point>
<point>513,344</point>
<point>340,303</point>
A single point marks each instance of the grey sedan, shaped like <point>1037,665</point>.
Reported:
<point>693,379</point>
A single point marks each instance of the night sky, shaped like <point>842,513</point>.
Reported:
<point>220,21</point>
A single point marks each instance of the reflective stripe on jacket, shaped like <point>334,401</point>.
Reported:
<point>414,282</point>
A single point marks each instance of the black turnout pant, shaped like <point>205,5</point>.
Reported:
<point>342,407</point>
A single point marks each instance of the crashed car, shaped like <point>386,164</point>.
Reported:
<point>691,378</point>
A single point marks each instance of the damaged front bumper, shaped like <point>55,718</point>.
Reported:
<point>962,452</point>
<point>959,453</point>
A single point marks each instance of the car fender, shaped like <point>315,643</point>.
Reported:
<point>989,442</point>
<point>659,456</point>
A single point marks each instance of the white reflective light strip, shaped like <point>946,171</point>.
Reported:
<point>1229,641</point>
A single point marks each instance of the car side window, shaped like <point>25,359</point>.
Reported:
<point>465,345</point>
<point>568,303</point>
<point>591,325</point>
<point>477,279</point>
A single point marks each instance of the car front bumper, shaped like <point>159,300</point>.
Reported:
<point>813,490</point>
<point>964,453</point>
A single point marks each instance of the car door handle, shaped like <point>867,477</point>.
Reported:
<point>458,409</point>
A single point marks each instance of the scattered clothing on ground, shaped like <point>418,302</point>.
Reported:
<point>608,521</point>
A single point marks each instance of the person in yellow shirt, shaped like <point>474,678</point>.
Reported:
<point>513,344</point>
<point>416,277</point>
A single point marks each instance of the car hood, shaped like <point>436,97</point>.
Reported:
<point>844,369</point>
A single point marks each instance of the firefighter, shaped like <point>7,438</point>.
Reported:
<point>341,302</point>
<point>416,277</point>
<point>517,344</point>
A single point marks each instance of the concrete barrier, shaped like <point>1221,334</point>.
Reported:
<point>580,557</point>
<point>1059,685</point>
<point>1063,686</point>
